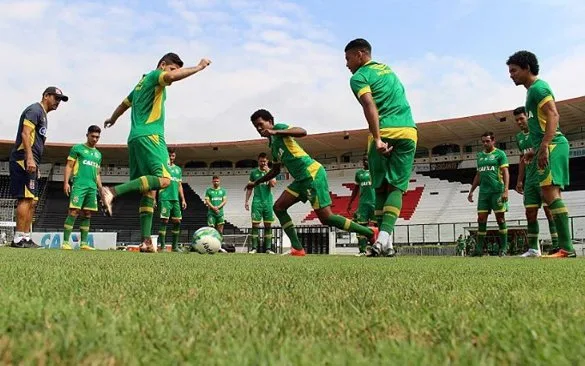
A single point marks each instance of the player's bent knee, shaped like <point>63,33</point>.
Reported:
<point>73,212</point>
<point>87,214</point>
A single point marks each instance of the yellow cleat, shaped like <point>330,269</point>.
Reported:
<point>66,246</point>
<point>86,247</point>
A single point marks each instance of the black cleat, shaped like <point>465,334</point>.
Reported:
<point>20,244</point>
<point>29,243</point>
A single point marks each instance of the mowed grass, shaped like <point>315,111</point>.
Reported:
<point>130,308</point>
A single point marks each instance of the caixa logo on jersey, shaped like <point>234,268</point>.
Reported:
<point>54,240</point>
<point>43,131</point>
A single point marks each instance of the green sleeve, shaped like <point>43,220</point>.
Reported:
<point>73,153</point>
<point>359,85</point>
<point>503,160</point>
<point>542,94</point>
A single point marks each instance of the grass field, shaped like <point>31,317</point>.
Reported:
<point>130,308</point>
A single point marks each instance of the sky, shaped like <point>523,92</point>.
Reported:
<point>280,55</point>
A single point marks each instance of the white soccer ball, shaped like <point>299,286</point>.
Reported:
<point>206,240</point>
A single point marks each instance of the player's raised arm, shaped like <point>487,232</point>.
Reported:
<point>292,132</point>
<point>184,72</point>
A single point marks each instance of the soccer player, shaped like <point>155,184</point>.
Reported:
<point>493,179</point>
<point>25,158</point>
<point>393,135</point>
<point>365,212</point>
<point>215,199</point>
<point>84,162</point>
<point>261,205</point>
<point>169,199</point>
<point>310,180</point>
<point>147,150</point>
<point>550,146</point>
<point>529,186</point>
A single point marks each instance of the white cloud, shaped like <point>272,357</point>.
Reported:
<point>271,56</point>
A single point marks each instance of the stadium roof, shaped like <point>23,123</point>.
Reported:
<point>461,131</point>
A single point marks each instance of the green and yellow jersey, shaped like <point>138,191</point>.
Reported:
<point>87,165</point>
<point>489,166</point>
<point>289,153</point>
<point>394,111</point>
<point>539,93</point>
<point>147,101</point>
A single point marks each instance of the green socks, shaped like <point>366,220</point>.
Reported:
<point>84,230</point>
<point>391,211</point>
<point>289,229</point>
<point>481,233</point>
<point>268,239</point>
<point>533,229</point>
<point>146,211</point>
<point>68,228</point>
<point>379,208</point>
<point>561,218</point>
<point>162,235</point>
<point>342,223</point>
<point>554,237</point>
<point>254,237</point>
<point>143,184</point>
<point>503,231</point>
<point>176,233</point>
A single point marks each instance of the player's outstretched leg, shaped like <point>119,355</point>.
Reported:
<point>84,230</point>
<point>329,218</point>
<point>68,228</point>
<point>280,206</point>
<point>142,184</point>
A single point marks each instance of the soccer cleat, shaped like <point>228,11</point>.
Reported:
<point>531,253</point>
<point>562,254</point>
<point>253,251</point>
<point>86,247</point>
<point>20,244</point>
<point>361,254</point>
<point>389,252</point>
<point>107,197</point>
<point>553,251</point>
<point>29,243</point>
<point>66,246</point>
<point>375,250</point>
<point>270,252</point>
<point>296,252</point>
<point>147,247</point>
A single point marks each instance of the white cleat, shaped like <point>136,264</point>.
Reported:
<point>253,251</point>
<point>270,252</point>
<point>531,253</point>
<point>361,254</point>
